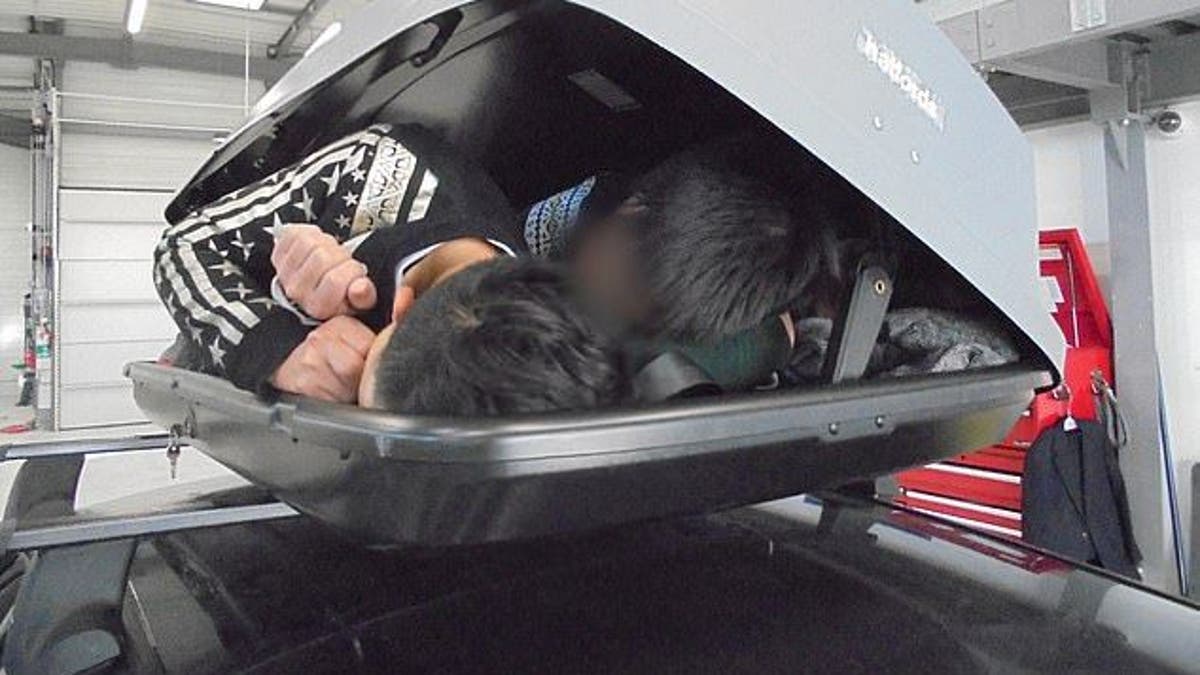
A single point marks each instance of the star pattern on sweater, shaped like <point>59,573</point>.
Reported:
<point>358,175</point>
<point>241,291</point>
<point>342,221</point>
<point>306,205</point>
<point>351,198</point>
<point>356,160</point>
<point>273,228</point>
<point>226,268</point>
<point>245,246</point>
<point>331,182</point>
<point>218,354</point>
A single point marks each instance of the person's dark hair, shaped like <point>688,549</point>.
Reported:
<point>720,252</point>
<point>498,338</point>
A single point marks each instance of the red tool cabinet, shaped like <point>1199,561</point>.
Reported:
<point>983,488</point>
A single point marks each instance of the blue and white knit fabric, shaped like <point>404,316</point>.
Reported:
<point>551,220</point>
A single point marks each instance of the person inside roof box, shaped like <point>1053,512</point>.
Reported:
<point>692,255</point>
<point>694,259</point>
<point>403,216</point>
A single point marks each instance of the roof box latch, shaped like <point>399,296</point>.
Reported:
<point>446,23</point>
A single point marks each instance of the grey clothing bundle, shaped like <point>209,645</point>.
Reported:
<point>912,341</point>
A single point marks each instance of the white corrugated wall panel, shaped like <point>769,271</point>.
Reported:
<point>109,312</point>
<point>115,183</point>
<point>15,267</point>
<point>98,406</point>
<point>16,71</point>
<point>97,91</point>
<point>93,323</point>
<point>92,160</point>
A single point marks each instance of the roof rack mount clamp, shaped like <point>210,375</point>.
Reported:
<point>857,330</point>
<point>68,613</point>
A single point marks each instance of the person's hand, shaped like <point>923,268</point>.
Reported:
<point>318,274</point>
<point>329,363</point>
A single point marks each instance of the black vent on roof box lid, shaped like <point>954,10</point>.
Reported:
<point>604,90</point>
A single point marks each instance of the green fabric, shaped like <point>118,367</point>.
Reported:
<point>738,362</point>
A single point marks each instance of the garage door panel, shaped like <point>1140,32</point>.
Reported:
<point>113,206</point>
<point>96,406</point>
<point>199,99</point>
<point>124,162</point>
<point>109,241</point>
<point>122,159</point>
<point>111,282</point>
<point>104,364</point>
<point>86,324</point>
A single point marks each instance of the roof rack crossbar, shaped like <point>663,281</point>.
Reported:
<point>88,530</point>
<point>40,510</point>
<point>87,446</point>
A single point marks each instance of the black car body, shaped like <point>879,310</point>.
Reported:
<point>828,584</point>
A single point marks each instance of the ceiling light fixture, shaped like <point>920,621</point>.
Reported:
<point>135,14</point>
<point>252,5</point>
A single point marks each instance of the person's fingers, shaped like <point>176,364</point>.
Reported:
<point>301,244</point>
<point>289,264</point>
<point>323,356</point>
<point>345,364</point>
<point>343,344</point>
<point>286,239</point>
<point>361,294</point>
<point>318,263</point>
<point>329,298</point>
<point>354,334</point>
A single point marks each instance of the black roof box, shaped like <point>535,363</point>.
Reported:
<point>871,89</point>
<point>403,480</point>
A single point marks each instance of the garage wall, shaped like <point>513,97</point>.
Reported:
<point>1174,172</point>
<point>121,161</point>
<point>15,202</point>
<point>1069,165</point>
<point>16,77</point>
<point>1071,193</point>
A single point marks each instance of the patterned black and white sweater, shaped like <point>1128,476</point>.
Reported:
<point>390,193</point>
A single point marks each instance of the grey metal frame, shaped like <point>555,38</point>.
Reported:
<point>45,234</point>
<point>131,54</point>
<point>40,513</point>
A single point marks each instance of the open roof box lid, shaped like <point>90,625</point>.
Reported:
<point>544,92</point>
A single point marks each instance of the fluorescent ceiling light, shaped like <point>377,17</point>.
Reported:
<point>326,35</point>
<point>135,14</point>
<point>252,5</point>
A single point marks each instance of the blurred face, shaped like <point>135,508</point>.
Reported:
<point>606,266</point>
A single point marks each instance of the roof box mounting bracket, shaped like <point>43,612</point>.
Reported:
<point>857,330</point>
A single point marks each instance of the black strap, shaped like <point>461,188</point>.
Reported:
<point>672,375</point>
<point>1108,412</point>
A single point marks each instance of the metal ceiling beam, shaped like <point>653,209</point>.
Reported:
<point>130,54</point>
<point>1083,65</point>
<point>303,19</point>
<point>1174,70</point>
<point>1019,28</point>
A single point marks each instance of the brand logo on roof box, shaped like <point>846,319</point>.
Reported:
<point>901,75</point>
